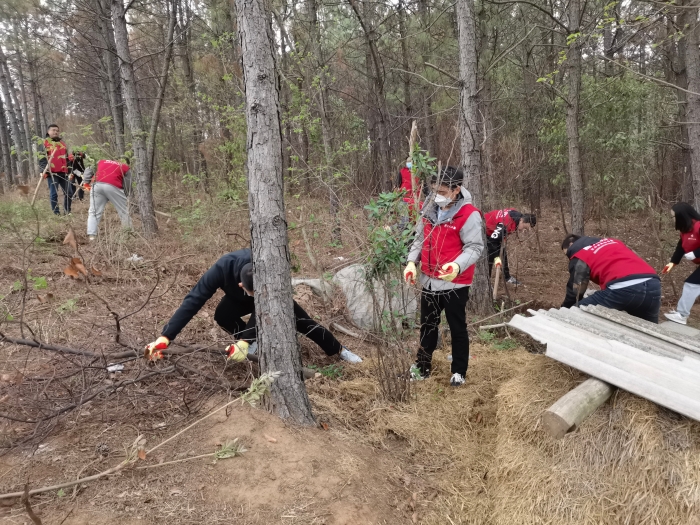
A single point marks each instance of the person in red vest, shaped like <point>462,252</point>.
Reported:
<point>688,224</point>
<point>57,174</point>
<point>500,224</point>
<point>110,183</point>
<point>403,183</point>
<point>447,248</point>
<point>626,281</point>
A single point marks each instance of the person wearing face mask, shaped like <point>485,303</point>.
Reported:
<point>56,152</point>
<point>687,221</point>
<point>500,224</point>
<point>233,273</point>
<point>447,248</point>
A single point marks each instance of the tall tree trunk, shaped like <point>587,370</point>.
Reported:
<point>326,128</point>
<point>25,152</point>
<point>530,142</point>
<point>277,340</point>
<point>17,137</point>
<point>470,128</point>
<point>572,116</point>
<point>406,65</point>
<point>378,93</point>
<point>163,82</point>
<point>144,181</point>
<point>109,57</point>
<point>692,65</point>
<point>5,144</point>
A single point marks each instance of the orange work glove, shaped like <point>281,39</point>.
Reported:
<point>449,271</point>
<point>497,262</point>
<point>667,268</point>
<point>87,186</point>
<point>238,351</point>
<point>155,349</point>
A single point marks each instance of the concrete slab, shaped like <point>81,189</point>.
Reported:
<point>681,329</point>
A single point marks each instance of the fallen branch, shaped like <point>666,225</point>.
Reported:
<point>130,459</point>
<point>346,331</point>
<point>28,506</point>
<point>491,326</point>
<point>44,346</point>
<point>501,313</point>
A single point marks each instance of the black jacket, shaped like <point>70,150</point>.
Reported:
<point>225,274</point>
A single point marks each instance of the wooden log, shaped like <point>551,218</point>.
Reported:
<point>572,409</point>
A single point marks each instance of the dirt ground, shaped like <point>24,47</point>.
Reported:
<point>450,456</point>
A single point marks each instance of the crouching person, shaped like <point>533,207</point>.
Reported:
<point>626,281</point>
<point>447,247</point>
<point>110,183</point>
<point>233,273</point>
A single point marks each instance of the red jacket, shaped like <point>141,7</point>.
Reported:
<point>691,240</point>
<point>493,218</point>
<point>111,172</point>
<point>406,186</point>
<point>56,155</point>
<point>442,245</point>
<point>610,260</point>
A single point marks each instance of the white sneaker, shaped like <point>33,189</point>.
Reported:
<point>513,280</point>
<point>457,380</point>
<point>676,317</point>
<point>347,355</point>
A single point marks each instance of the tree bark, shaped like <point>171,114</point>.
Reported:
<point>109,57</point>
<point>163,82</point>
<point>572,118</point>
<point>470,129</point>
<point>5,148</point>
<point>12,117</point>
<point>133,110</point>
<point>268,227</point>
<point>692,65</point>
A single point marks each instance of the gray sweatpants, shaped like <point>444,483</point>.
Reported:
<point>690,293</point>
<point>101,194</point>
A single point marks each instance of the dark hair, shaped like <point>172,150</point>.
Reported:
<point>247,277</point>
<point>52,126</point>
<point>530,219</point>
<point>449,176</point>
<point>569,240</point>
<point>685,214</point>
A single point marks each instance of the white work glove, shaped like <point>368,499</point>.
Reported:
<point>690,256</point>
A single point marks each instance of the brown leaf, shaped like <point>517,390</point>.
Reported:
<point>324,426</point>
<point>49,296</point>
<point>42,299</point>
<point>270,439</point>
<point>478,418</point>
<point>71,272</point>
<point>78,265</point>
<point>96,272</point>
<point>70,239</point>
<point>142,454</point>
<point>24,190</point>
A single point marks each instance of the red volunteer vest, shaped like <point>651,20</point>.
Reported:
<point>610,260</point>
<point>441,245</point>
<point>406,186</point>
<point>111,172</point>
<point>691,240</point>
<point>56,155</point>
<point>493,218</point>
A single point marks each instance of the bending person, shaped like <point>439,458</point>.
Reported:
<point>111,183</point>
<point>233,273</point>
<point>688,224</point>
<point>626,281</point>
<point>500,224</point>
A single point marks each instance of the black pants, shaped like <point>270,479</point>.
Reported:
<point>454,302</point>
<point>55,181</point>
<point>228,316</point>
<point>494,250</point>
<point>641,300</point>
<point>77,181</point>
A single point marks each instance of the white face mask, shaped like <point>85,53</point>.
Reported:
<point>442,201</point>
<point>409,165</point>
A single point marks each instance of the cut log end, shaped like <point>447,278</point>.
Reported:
<point>573,408</point>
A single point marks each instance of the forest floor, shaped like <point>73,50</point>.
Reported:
<point>450,456</point>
